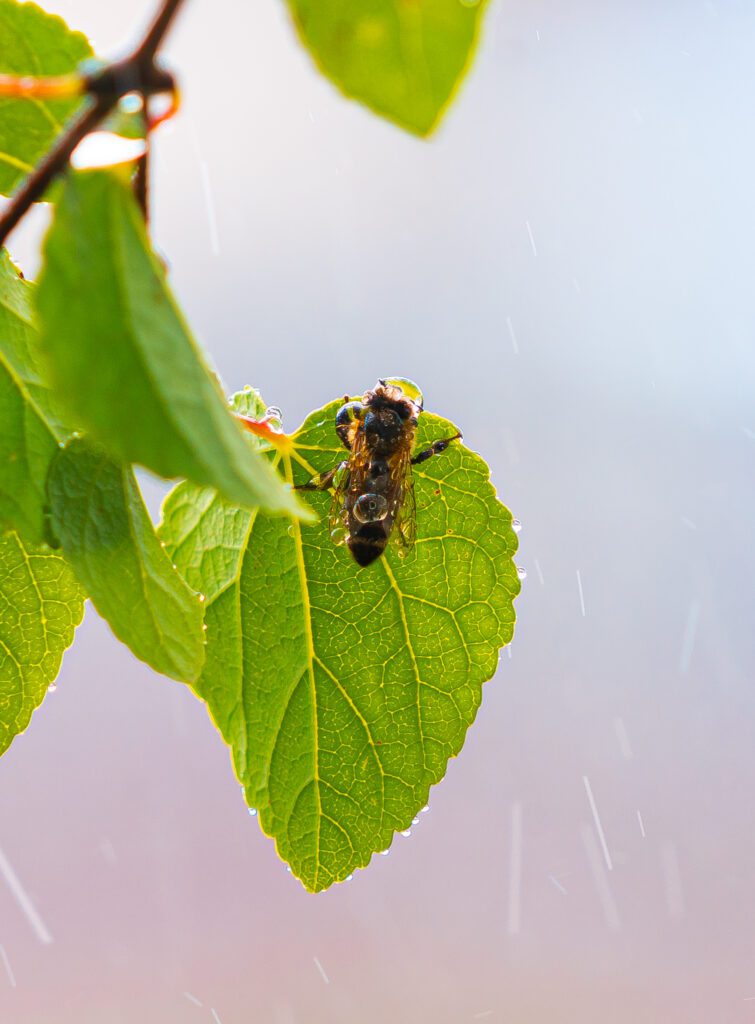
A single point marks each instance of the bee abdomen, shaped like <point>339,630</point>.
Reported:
<point>367,544</point>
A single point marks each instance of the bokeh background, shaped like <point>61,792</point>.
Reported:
<point>567,269</point>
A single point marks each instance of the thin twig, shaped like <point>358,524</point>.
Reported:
<point>157,30</point>
<point>35,186</point>
<point>141,176</point>
<point>105,88</point>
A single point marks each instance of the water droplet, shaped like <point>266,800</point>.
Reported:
<point>425,809</point>
<point>253,811</point>
<point>516,525</point>
<point>175,567</point>
<point>290,530</point>
<point>202,598</point>
<point>415,821</point>
<point>521,572</point>
<point>402,552</point>
<point>407,833</point>
<point>370,508</point>
<point>384,853</point>
<point>162,543</point>
<point>52,687</point>
<point>61,444</point>
<point>131,103</point>
<point>348,878</point>
<point>288,868</point>
<point>338,535</point>
<point>204,626</point>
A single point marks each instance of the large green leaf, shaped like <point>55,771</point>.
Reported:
<point>122,357</point>
<point>40,606</point>
<point>31,426</point>
<point>402,58</point>
<point>342,691</point>
<point>107,536</point>
<point>33,42</point>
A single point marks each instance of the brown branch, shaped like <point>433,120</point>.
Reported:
<point>136,73</point>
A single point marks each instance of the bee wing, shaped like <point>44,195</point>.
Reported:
<point>340,487</point>
<point>405,522</point>
<point>351,478</point>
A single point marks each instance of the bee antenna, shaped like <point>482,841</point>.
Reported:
<point>381,381</point>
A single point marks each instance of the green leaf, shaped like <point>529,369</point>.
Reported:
<point>402,58</point>
<point>33,42</point>
<point>107,536</point>
<point>342,691</point>
<point>31,425</point>
<point>40,606</point>
<point>122,357</point>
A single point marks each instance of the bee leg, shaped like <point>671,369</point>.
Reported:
<point>322,481</point>
<point>435,449</point>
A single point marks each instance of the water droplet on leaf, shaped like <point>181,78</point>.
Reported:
<point>338,535</point>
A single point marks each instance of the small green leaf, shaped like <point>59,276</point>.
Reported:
<point>33,42</point>
<point>342,691</point>
<point>40,606</point>
<point>402,58</point>
<point>100,520</point>
<point>19,341</point>
<point>121,355</point>
<point>31,426</point>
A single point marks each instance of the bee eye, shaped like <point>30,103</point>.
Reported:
<point>348,413</point>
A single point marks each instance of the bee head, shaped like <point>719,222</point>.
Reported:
<point>402,391</point>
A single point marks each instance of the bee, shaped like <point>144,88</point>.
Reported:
<point>373,499</point>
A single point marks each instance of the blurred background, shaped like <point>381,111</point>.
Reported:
<point>566,269</point>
